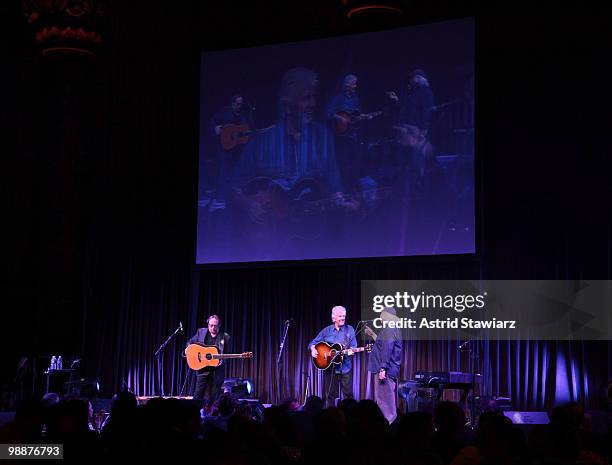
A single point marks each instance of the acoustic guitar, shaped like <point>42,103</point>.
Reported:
<point>238,134</point>
<point>301,211</point>
<point>344,121</point>
<point>333,354</point>
<point>201,356</point>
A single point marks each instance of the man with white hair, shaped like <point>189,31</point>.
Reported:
<point>337,375</point>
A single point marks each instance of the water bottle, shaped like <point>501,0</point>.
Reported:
<point>53,365</point>
<point>59,362</point>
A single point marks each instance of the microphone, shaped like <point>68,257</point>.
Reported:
<point>180,326</point>
<point>368,321</point>
<point>289,321</point>
<point>462,345</point>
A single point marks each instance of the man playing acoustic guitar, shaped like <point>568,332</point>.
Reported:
<point>237,114</point>
<point>296,149</point>
<point>210,379</point>
<point>343,334</point>
<point>344,112</point>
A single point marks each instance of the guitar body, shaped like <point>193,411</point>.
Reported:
<point>327,356</point>
<point>304,212</point>
<point>199,356</point>
<point>270,195</point>
<point>332,354</point>
<point>292,213</point>
<point>343,122</point>
<point>233,135</point>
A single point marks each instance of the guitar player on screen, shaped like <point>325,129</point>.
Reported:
<point>344,113</point>
<point>237,113</point>
<point>210,379</point>
<point>296,148</point>
<point>340,374</point>
<point>339,110</point>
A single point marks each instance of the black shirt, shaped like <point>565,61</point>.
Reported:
<point>209,340</point>
<point>416,108</point>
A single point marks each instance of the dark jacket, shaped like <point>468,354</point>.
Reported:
<point>416,108</point>
<point>223,344</point>
<point>387,353</point>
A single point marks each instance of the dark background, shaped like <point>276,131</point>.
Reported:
<point>100,168</point>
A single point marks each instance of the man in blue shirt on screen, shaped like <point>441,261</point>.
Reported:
<point>347,100</point>
<point>341,374</point>
<point>296,147</point>
<point>286,190</point>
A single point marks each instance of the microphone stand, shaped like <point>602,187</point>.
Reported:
<point>361,327</point>
<point>279,374</point>
<point>307,392</point>
<point>475,357</point>
<point>282,344</point>
<point>474,360</point>
<point>160,360</point>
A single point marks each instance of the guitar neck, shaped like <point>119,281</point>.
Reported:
<point>369,115</point>
<point>332,201</point>
<point>222,356</point>
<point>259,131</point>
<point>356,349</point>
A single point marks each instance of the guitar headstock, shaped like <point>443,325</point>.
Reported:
<point>246,355</point>
<point>368,347</point>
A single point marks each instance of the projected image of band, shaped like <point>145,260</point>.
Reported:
<point>357,146</point>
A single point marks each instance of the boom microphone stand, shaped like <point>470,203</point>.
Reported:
<point>474,357</point>
<point>160,359</point>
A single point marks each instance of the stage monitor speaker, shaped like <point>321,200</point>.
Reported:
<point>240,387</point>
